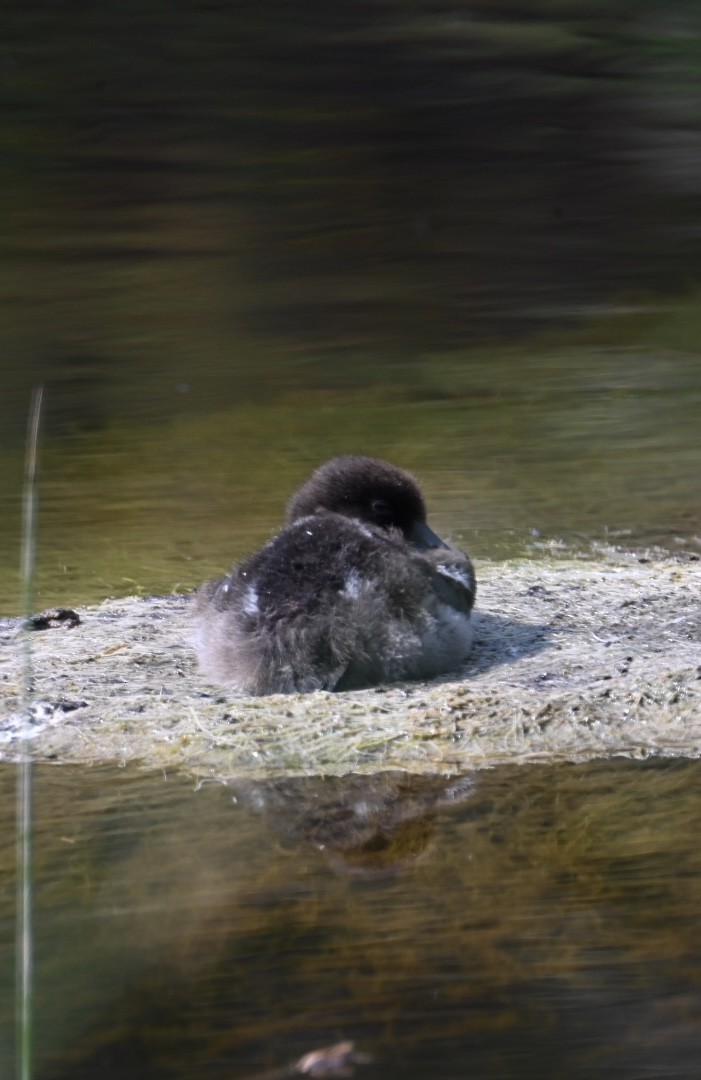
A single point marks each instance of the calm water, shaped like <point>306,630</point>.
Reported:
<point>236,241</point>
<point>511,458</point>
<point>532,922</point>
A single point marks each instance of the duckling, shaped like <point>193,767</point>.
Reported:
<point>355,591</point>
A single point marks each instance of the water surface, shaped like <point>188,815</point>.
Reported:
<point>533,922</point>
<point>236,242</point>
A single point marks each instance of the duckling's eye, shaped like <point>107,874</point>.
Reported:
<point>381,508</point>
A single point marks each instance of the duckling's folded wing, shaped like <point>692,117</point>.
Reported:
<point>454,579</point>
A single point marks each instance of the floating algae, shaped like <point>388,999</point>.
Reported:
<point>573,660</point>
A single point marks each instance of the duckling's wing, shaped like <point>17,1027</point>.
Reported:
<point>454,580</point>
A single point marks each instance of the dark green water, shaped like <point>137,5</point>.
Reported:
<point>535,922</point>
<point>238,240</point>
<point>514,452</point>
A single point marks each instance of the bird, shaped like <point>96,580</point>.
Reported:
<point>355,591</point>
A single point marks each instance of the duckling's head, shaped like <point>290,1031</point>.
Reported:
<point>367,490</point>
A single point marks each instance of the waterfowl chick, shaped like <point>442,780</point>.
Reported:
<point>355,591</point>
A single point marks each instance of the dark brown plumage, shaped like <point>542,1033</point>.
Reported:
<point>355,591</point>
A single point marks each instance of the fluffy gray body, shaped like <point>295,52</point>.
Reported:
<point>356,591</point>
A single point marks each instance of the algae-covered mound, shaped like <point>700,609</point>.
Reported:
<point>572,660</point>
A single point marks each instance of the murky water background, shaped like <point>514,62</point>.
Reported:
<point>235,242</point>
<point>533,922</point>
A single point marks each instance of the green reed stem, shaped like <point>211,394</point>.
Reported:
<point>24,942</point>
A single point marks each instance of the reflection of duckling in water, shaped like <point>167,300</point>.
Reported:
<point>365,826</point>
<point>355,591</point>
